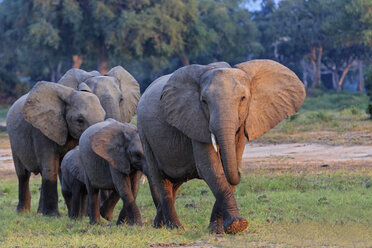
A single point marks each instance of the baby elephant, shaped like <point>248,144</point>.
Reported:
<point>73,185</point>
<point>112,156</point>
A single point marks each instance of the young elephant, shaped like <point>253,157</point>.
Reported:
<point>112,157</point>
<point>43,126</point>
<point>73,185</point>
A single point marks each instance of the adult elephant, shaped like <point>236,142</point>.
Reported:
<point>117,90</point>
<point>43,125</point>
<point>194,123</point>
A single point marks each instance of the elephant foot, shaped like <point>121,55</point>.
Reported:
<point>175,226</point>
<point>51,213</point>
<point>22,209</point>
<point>95,222</point>
<point>158,222</point>
<point>237,225</point>
<point>216,227</point>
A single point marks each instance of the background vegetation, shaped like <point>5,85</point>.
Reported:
<point>326,42</point>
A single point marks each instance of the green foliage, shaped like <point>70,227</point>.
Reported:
<point>10,86</point>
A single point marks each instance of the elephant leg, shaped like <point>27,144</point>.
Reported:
<point>49,194</point>
<point>83,203</point>
<point>107,207</point>
<point>40,206</point>
<point>135,178</point>
<point>67,195</point>
<point>167,200</point>
<point>103,195</point>
<point>216,220</point>
<point>152,163</point>
<point>175,188</point>
<point>210,169</point>
<point>93,203</point>
<point>159,220</point>
<point>130,209</point>
<point>76,198</point>
<point>24,196</point>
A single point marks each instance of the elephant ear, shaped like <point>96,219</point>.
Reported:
<point>44,110</point>
<point>180,102</point>
<point>109,143</point>
<point>74,77</point>
<point>129,88</point>
<point>276,93</point>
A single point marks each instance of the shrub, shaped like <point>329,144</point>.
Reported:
<point>10,87</point>
<point>368,85</point>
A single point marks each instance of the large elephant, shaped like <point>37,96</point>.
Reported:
<point>43,125</point>
<point>112,157</point>
<point>117,91</point>
<point>194,123</point>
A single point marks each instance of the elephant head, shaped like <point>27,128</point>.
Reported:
<point>74,77</point>
<point>117,90</point>
<point>120,145</point>
<point>211,104</point>
<point>58,111</point>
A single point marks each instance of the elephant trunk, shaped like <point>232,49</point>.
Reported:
<point>111,108</point>
<point>226,140</point>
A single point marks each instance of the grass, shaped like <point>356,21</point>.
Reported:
<point>328,118</point>
<point>324,208</point>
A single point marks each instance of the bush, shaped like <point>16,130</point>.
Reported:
<point>10,87</point>
<point>368,85</point>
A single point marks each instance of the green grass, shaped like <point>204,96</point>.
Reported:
<point>327,118</point>
<point>324,208</point>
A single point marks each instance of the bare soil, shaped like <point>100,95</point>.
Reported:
<point>295,156</point>
<point>306,156</point>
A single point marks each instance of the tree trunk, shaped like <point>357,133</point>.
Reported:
<point>59,68</point>
<point>77,61</point>
<point>316,61</point>
<point>102,63</point>
<point>335,79</point>
<point>347,68</point>
<point>360,76</point>
<point>304,74</point>
<point>185,61</point>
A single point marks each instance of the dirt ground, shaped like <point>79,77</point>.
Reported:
<point>296,156</point>
<point>306,156</point>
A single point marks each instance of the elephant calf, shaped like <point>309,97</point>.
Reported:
<point>112,157</point>
<point>73,184</point>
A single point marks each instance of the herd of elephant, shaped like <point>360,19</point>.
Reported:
<point>193,123</point>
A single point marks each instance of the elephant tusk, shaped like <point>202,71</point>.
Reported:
<point>214,143</point>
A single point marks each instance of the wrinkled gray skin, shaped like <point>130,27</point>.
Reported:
<point>117,91</point>
<point>43,126</point>
<point>113,160</point>
<point>73,185</point>
<point>179,113</point>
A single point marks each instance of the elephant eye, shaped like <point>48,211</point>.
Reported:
<point>121,100</point>
<point>242,99</point>
<point>80,121</point>
<point>204,101</point>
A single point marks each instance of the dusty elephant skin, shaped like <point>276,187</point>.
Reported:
<point>195,122</point>
<point>117,91</point>
<point>112,157</point>
<point>43,125</point>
